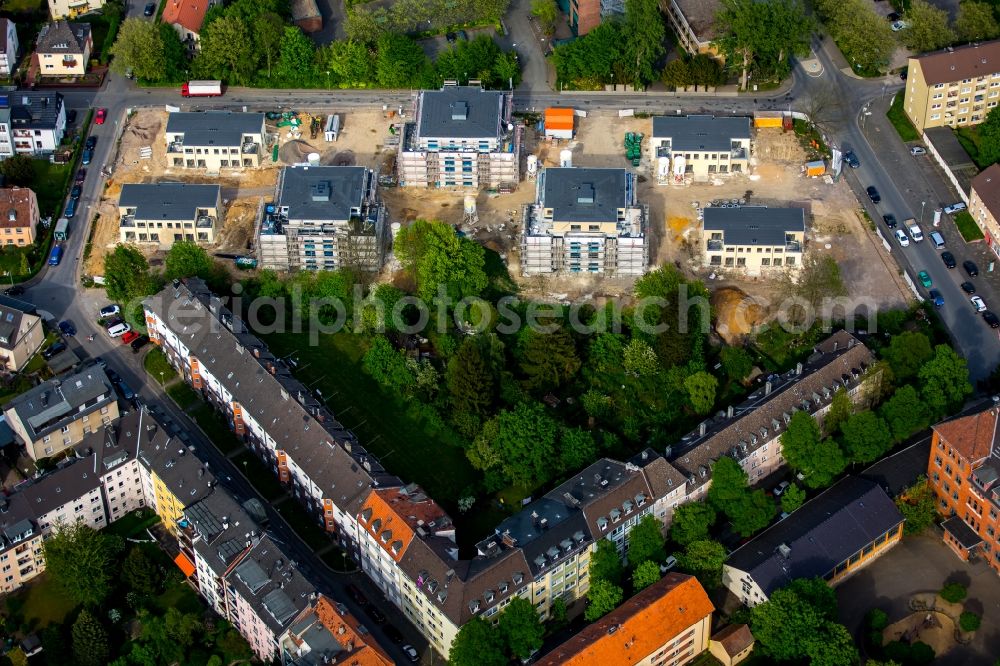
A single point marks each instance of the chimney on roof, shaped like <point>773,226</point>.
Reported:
<point>836,344</point>
<point>767,388</point>
<point>729,412</point>
<point>798,368</point>
<point>702,427</point>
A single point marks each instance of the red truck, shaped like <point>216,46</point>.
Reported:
<point>201,89</point>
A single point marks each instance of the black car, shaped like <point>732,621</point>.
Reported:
<point>53,350</point>
<point>71,116</point>
<point>76,192</point>
<point>139,343</point>
<point>113,321</point>
<point>873,194</point>
<point>113,376</point>
<point>890,220</point>
<point>91,142</point>
<point>991,319</point>
<point>969,288</point>
<point>393,634</point>
<point>81,176</point>
<point>67,328</point>
<point>376,615</point>
<point>949,259</point>
<point>852,159</point>
<point>892,17</point>
<point>16,290</point>
<point>970,268</point>
<point>357,595</point>
<point>149,10</point>
<point>450,37</point>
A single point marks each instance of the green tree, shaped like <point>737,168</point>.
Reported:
<point>645,574</point>
<point>704,559</point>
<point>645,542</point>
<point>822,464</point>
<point>644,26</point>
<point>729,485</point>
<point>989,138</point>
<point>701,391</point>
<point>905,413</point>
<point>953,592</point>
<point>918,505</point>
<point>174,54</point>
<point>706,71</point>
<point>605,563</point>
<point>139,47</point>
<point>182,628</point>
<point>577,449</point>
<point>976,21</point>
<point>438,257</point>
<point>691,522</point>
<point>736,363</point>
<point>832,645</point>
<point>677,74</point>
<point>526,438</point>
<point>268,33</point>
<point>864,36</point>
<point>792,498</point>
<point>866,437</point>
<point>785,625</point>
<point>926,27</point>
<point>602,598</point>
<point>473,374</point>
<point>753,514</point>
<point>18,170</point>
<point>521,628</point>
<point>81,561</point>
<point>298,55</point>
<point>351,62</point>
<point>90,640</point>
<point>399,62</point>
<point>387,365</point>
<point>187,259</point>
<point>126,274</point>
<point>906,353</point>
<point>139,572</point>
<point>840,411</point>
<point>548,360</point>
<point>944,381</point>
<point>226,51</point>
<point>820,279</point>
<point>639,359</point>
<point>762,36</point>
<point>547,12</point>
<point>969,621</point>
<point>592,60</point>
<point>801,436</point>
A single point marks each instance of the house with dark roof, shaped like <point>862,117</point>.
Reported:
<point>700,147</point>
<point>984,205</point>
<point>753,239</point>
<point>732,644</point>
<point>584,220</point>
<point>9,47</point>
<point>215,140</point>
<point>462,137</point>
<point>21,332</point>
<point>161,214</point>
<point>63,49</point>
<point>31,122</point>
<point>324,217</point>
<point>839,531</point>
<point>58,413</point>
<point>954,87</point>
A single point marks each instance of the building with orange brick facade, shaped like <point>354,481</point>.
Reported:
<point>963,469</point>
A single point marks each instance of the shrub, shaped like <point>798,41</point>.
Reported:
<point>953,592</point>
<point>969,621</point>
<point>877,619</point>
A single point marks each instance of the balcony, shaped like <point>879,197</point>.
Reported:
<point>716,245</point>
<point>127,222</point>
<point>175,147</point>
<point>205,222</point>
<point>250,148</point>
<point>793,246</point>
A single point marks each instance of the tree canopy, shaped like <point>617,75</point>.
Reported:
<point>126,274</point>
<point>691,522</point>
<point>645,542</point>
<point>521,628</point>
<point>906,353</point>
<point>944,381</point>
<point>704,559</point>
<point>918,504</point>
<point>645,575</point>
<point>905,413</point>
<point>792,498</point>
<point>759,38</point>
<point>477,644</point>
<point>605,563</point>
<point>926,28</point>
<point>548,360</point>
<point>976,21</point>
<point>438,257</point>
<point>866,437</point>
<point>81,561</point>
<point>989,138</point>
<point>187,259</point>
<point>602,598</point>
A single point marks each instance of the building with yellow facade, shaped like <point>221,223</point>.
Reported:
<point>954,87</point>
<point>173,477</point>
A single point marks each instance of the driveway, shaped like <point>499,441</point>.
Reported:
<point>523,36</point>
<point>920,564</point>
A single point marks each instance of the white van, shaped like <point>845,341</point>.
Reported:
<point>119,330</point>
<point>937,239</point>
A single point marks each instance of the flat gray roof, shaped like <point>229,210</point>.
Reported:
<point>585,195</point>
<point>323,192</point>
<point>214,128</point>
<point>168,201</point>
<point>61,398</point>
<point>701,132</point>
<point>461,112</point>
<point>754,225</point>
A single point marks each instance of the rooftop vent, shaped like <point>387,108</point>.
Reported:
<point>585,194</point>
<point>320,191</point>
<point>460,111</point>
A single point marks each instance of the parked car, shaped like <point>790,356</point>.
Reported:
<point>918,150</point>
<point>71,116</point>
<point>450,36</point>
<point>978,303</point>
<point>873,194</point>
<point>88,155</point>
<point>67,328</point>
<point>102,114</point>
<point>139,343</point>
<point>129,336</point>
<point>970,268</point>
<point>81,176</point>
<point>114,321</point>
<point>357,595</point>
<point>991,319</point>
<point>110,311</point>
<point>780,488</point>
<point>949,259</point>
<point>936,298</point>
<point>954,208</point>
<point>377,615</point>
<point>16,290</point>
<point>898,25</point>
<point>902,238</point>
<point>668,564</point>
<point>893,17</point>
<point>393,634</point>
<point>150,9</point>
<point>54,349</point>
<point>968,288</point>
<point>76,191</point>
<point>91,142</point>
<point>925,279</point>
<point>113,376</point>
<point>890,220</point>
<point>411,653</point>
<point>852,159</point>
<point>125,391</point>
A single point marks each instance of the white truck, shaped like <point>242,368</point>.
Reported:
<point>915,233</point>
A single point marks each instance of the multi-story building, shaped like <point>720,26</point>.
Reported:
<point>31,122</point>
<point>186,17</point>
<point>18,216</point>
<point>8,47</point>
<point>751,431</point>
<point>21,333</point>
<point>325,633</point>
<point>963,470</point>
<point>984,205</point>
<point>693,21</point>
<point>841,530</point>
<point>323,217</point>
<point>59,9</point>
<point>753,239</point>
<point>954,87</point>
<point>585,220</point>
<point>63,49</point>
<point>162,214</point>
<point>58,413</point>
<point>669,622</point>
<point>214,140</point>
<point>702,147</point>
<point>463,136</point>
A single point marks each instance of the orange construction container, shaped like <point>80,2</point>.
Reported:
<point>559,122</point>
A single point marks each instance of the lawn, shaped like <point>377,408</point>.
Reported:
<point>404,445</point>
<point>217,431</point>
<point>969,138</point>
<point>50,184</point>
<point>181,597</point>
<point>133,524</point>
<point>182,394</point>
<point>23,6</point>
<point>19,386</point>
<point>158,366</point>
<point>896,115</point>
<point>260,477</point>
<point>103,30</point>
<point>41,603</point>
<point>967,227</point>
<point>303,525</point>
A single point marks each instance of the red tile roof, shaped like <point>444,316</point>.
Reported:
<point>188,14</point>
<point>361,648</point>
<point>395,515</point>
<point>637,628</point>
<point>971,436</point>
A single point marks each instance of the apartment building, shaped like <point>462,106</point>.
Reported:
<point>9,47</point>
<point>963,469</point>
<point>693,21</point>
<point>753,239</point>
<point>60,9</point>
<point>186,17</point>
<point>750,432</point>
<point>215,140</point>
<point>173,477</point>
<point>162,214</point>
<point>702,147</point>
<point>21,333</point>
<point>984,205</point>
<point>19,216</point>
<point>954,87</point>
<point>669,622</point>
<point>841,530</point>
<point>63,49</point>
<point>59,413</point>
<point>463,137</point>
<point>31,122</point>
<point>325,633</point>
<point>324,218</point>
<point>585,220</point>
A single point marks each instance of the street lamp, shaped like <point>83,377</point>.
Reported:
<point>922,204</point>
<point>161,378</point>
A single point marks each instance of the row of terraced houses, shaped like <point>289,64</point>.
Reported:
<point>404,541</point>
